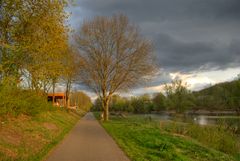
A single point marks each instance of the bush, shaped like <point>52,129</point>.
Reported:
<point>142,104</point>
<point>216,137</point>
<point>17,101</point>
<point>159,101</point>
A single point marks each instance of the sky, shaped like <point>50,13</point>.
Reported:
<point>197,41</point>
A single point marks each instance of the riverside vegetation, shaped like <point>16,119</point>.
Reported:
<point>145,139</point>
<point>220,97</point>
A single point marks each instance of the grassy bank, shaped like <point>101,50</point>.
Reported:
<point>30,138</point>
<point>143,140</point>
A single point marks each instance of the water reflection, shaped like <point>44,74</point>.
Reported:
<point>199,119</point>
<point>205,120</point>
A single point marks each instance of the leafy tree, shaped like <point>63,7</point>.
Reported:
<point>233,99</point>
<point>97,105</point>
<point>44,42</point>
<point>33,37</point>
<point>81,100</point>
<point>33,43</point>
<point>178,97</point>
<point>142,104</point>
<point>118,103</point>
<point>222,96</point>
<point>9,14</point>
<point>159,101</point>
<point>114,57</point>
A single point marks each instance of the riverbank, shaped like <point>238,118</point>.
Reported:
<point>30,138</point>
<point>146,139</point>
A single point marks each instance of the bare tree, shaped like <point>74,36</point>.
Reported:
<point>114,56</point>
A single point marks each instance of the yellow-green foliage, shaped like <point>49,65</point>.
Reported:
<point>220,96</point>
<point>15,101</point>
<point>81,100</point>
<point>33,40</point>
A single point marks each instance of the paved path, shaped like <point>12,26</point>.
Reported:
<point>88,141</point>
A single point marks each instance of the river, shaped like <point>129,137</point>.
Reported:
<point>232,120</point>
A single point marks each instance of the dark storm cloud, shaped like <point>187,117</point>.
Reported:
<point>235,47</point>
<point>178,54</point>
<point>153,10</point>
<point>189,35</point>
<point>162,77</point>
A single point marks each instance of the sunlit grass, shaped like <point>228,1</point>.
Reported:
<point>143,140</point>
<point>26,138</point>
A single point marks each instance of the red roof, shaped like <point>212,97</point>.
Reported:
<point>56,94</point>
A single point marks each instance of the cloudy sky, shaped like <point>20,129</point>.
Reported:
<point>195,40</point>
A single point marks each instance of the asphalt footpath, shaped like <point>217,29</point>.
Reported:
<point>87,141</point>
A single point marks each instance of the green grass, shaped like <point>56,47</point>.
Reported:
<point>145,140</point>
<point>219,137</point>
<point>30,138</point>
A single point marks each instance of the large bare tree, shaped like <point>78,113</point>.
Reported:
<point>114,56</point>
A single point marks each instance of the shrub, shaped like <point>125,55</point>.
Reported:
<point>216,137</point>
<point>159,101</point>
<point>17,101</point>
<point>142,104</point>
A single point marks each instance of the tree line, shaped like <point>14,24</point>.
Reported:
<point>34,48</point>
<point>223,96</point>
<point>176,97</point>
<point>35,53</point>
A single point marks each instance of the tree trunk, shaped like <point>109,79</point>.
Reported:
<point>68,88</point>
<point>66,97</point>
<point>53,92</point>
<point>238,110</point>
<point>105,109</point>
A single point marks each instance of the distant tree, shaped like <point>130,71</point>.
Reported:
<point>218,97</point>
<point>97,106</point>
<point>118,103</point>
<point>178,96</point>
<point>81,100</point>
<point>142,104</point>
<point>233,99</point>
<point>114,57</point>
<point>159,101</point>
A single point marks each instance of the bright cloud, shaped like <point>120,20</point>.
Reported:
<point>197,80</point>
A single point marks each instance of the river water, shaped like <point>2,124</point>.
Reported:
<point>199,119</point>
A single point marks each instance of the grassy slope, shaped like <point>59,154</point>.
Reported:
<point>31,138</point>
<point>143,141</point>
